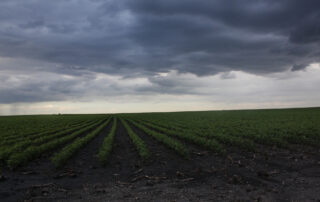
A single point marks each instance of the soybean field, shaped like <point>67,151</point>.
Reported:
<point>255,150</point>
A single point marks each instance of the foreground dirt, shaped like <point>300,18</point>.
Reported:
<point>271,174</point>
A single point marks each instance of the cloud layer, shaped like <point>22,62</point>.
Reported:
<point>48,45</point>
<point>203,37</point>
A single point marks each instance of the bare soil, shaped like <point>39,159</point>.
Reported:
<point>272,174</point>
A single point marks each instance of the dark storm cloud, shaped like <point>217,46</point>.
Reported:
<point>298,67</point>
<point>38,89</point>
<point>307,31</point>
<point>254,15</point>
<point>203,37</point>
<point>213,36</point>
<point>143,37</point>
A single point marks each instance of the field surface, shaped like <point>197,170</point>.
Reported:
<point>246,155</point>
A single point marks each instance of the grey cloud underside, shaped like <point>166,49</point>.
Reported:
<point>140,38</point>
<point>44,87</point>
<point>202,37</point>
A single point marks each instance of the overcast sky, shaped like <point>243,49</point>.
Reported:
<point>103,56</point>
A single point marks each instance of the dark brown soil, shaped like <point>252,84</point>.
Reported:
<point>271,174</point>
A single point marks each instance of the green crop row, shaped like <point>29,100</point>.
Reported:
<point>33,152</point>
<point>46,129</point>
<point>168,141</point>
<point>23,145</point>
<point>244,141</point>
<point>165,124</point>
<point>106,147</point>
<point>60,158</point>
<point>12,127</point>
<point>269,127</point>
<point>22,138</point>
<point>137,141</point>
<point>210,144</point>
<point>229,137</point>
<point>226,139</point>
